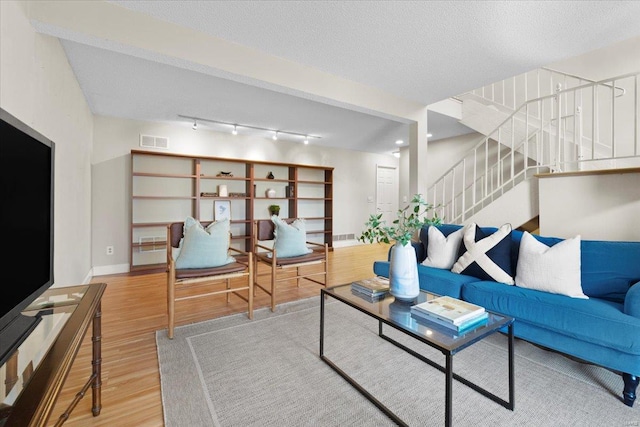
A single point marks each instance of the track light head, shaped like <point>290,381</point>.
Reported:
<point>275,136</point>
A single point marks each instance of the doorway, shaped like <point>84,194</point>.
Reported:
<point>386,192</point>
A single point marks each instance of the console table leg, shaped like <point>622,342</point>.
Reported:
<point>96,386</point>
<point>630,386</point>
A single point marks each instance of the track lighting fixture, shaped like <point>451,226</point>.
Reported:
<point>195,125</point>
<point>235,126</point>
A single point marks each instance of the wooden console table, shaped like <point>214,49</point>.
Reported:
<point>36,372</point>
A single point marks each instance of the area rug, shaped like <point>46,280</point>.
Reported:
<point>233,371</point>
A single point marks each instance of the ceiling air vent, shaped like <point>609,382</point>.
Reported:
<point>149,141</point>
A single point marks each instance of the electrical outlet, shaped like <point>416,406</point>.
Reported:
<point>109,250</point>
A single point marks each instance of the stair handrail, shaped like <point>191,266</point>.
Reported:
<point>540,128</point>
<point>539,99</point>
<point>575,76</point>
<point>525,89</point>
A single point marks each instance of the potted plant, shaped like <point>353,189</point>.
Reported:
<point>403,266</point>
<point>274,209</point>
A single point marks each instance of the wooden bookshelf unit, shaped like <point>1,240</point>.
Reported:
<point>167,188</point>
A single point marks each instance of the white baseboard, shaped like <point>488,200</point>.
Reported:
<point>104,270</point>
<point>345,243</point>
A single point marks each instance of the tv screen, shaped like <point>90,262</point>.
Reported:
<point>26,186</point>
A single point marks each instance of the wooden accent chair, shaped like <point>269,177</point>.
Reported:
<point>242,268</point>
<point>304,265</point>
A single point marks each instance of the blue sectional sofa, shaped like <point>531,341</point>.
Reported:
<point>603,329</point>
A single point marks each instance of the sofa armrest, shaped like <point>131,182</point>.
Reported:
<point>632,301</point>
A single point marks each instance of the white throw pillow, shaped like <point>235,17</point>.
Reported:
<point>442,252</point>
<point>554,269</point>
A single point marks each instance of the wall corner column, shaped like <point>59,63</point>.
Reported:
<point>418,145</point>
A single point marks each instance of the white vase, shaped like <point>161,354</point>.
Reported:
<point>403,272</point>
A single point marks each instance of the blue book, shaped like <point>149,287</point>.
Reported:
<point>466,326</point>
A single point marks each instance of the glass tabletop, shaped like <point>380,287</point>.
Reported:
<point>54,308</point>
<point>397,313</point>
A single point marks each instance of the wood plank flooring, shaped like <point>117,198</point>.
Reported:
<point>134,308</point>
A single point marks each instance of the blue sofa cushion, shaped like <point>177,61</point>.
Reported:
<point>592,320</point>
<point>435,280</point>
<point>632,301</point>
<point>607,268</point>
<point>486,256</point>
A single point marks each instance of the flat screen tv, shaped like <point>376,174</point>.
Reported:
<point>26,191</point>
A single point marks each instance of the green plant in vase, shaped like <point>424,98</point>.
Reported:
<point>403,266</point>
<point>274,209</point>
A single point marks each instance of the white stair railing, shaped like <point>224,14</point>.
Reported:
<point>586,126</point>
<point>513,92</point>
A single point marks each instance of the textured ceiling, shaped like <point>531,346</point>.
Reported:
<point>423,51</point>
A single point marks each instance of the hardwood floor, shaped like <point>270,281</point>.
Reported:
<point>134,308</point>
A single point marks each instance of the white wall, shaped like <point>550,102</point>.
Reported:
<point>611,61</point>
<point>444,153</point>
<point>38,87</point>
<point>596,206</point>
<point>354,176</point>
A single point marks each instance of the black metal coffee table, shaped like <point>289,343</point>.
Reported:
<point>388,311</point>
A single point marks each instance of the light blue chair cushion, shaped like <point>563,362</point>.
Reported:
<point>290,239</point>
<point>204,247</point>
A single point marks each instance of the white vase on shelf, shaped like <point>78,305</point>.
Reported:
<point>403,272</point>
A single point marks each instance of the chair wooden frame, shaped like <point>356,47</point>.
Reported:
<point>263,230</point>
<point>243,267</point>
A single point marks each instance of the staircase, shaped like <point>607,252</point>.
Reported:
<point>539,122</point>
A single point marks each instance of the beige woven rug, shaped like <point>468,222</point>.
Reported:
<point>235,372</point>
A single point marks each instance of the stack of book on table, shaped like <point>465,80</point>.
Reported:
<point>458,315</point>
<point>373,289</point>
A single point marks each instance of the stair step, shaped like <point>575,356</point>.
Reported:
<point>532,226</point>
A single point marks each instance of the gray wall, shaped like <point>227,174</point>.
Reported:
<point>596,206</point>
<point>354,176</point>
<point>38,87</point>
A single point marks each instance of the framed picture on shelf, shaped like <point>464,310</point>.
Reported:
<point>221,210</point>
